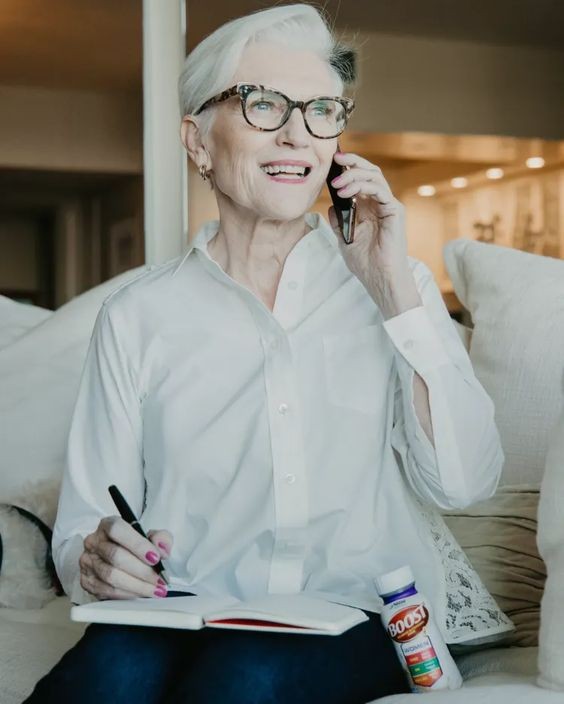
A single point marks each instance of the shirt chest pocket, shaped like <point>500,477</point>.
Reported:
<point>358,367</point>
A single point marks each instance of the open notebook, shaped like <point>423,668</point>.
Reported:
<point>284,613</point>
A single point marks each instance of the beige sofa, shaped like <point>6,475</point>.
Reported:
<point>514,351</point>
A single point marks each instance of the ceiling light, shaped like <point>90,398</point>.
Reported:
<point>459,182</point>
<point>535,162</point>
<point>426,191</point>
<point>494,173</point>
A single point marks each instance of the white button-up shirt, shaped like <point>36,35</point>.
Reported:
<point>280,448</point>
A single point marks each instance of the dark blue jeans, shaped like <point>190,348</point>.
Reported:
<point>140,665</point>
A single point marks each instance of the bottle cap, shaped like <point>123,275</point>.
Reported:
<point>394,581</point>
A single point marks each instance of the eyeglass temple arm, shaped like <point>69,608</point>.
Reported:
<point>218,98</point>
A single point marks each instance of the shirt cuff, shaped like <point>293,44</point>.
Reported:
<point>68,570</point>
<point>415,337</point>
<point>78,595</point>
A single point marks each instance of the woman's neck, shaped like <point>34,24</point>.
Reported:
<point>253,254</point>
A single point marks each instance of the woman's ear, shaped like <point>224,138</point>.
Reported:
<point>192,140</point>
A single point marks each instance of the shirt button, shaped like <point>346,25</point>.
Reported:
<point>283,408</point>
<point>290,478</point>
<point>293,285</point>
<point>408,345</point>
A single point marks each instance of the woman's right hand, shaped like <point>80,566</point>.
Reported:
<point>116,562</point>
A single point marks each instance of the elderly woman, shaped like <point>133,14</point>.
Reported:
<point>285,407</point>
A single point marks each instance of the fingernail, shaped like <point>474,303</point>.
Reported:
<point>160,591</point>
<point>336,180</point>
<point>161,582</point>
<point>164,546</point>
<point>152,557</point>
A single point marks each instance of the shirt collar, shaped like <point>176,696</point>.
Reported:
<point>200,241</point>
<point>321,234</point>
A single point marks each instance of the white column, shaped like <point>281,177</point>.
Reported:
<point>165,172</point>
<point>69,251</point>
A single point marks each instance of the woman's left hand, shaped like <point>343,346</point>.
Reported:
<point>378,254</point>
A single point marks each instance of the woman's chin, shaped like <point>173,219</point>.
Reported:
<point>285,212</point>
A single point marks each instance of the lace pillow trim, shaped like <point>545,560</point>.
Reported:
<point>471,611</point>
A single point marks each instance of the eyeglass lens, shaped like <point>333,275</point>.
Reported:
<point>268,110</point>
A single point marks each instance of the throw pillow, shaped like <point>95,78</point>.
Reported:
<point>17,318</point>
<point>515,300</point>
<point>551,546</point>
<point>25,581</point>
<point>39,377</point>
<point>499,538</point>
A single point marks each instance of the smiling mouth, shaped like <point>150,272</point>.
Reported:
<point>287,172</point>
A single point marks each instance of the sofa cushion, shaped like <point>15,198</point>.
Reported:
<point>39,376</point>
<point>551,546</point>
<point>32,641</point>
<point>17,318</point>
<point>497,675</point>
<point>498,688</point>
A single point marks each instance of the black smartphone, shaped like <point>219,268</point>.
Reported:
<point>345,208</point>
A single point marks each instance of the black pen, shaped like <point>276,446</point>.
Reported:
<point>127,514</point>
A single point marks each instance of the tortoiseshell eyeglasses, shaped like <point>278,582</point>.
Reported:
<point>267,109</point>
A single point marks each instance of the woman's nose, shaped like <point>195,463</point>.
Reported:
<point>294,130</point>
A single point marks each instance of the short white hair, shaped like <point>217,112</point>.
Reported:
<point>210,67</point>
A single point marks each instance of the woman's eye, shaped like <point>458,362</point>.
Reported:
<point>321,110</point>
<point>262,105</point>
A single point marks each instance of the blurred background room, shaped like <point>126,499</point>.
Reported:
<point>460,102</point>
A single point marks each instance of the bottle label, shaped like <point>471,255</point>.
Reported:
<point>407,629</point>
<point>408,622</point>
<point>422,662</point>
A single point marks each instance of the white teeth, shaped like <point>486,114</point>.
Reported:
<point>284,169</point>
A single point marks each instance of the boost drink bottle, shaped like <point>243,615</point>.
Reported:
<point>417,640</point>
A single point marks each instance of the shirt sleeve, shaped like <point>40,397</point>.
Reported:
<point>465,464</point>
<point>104,448</point>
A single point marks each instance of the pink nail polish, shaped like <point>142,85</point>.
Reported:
<point>161,582</point>
<point>160,591</point>
<point>163,546</point>
<point>152,557</point>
